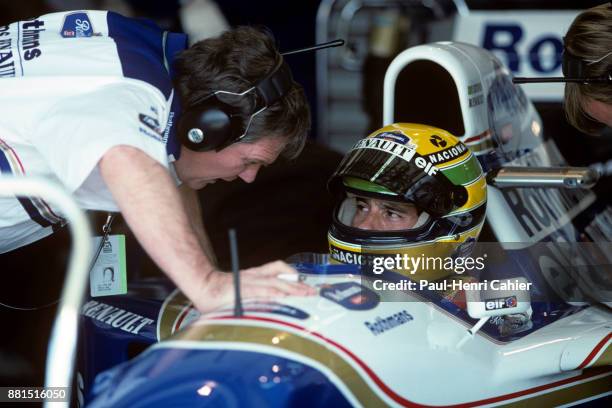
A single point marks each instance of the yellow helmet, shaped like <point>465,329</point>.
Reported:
<point>409,163</point>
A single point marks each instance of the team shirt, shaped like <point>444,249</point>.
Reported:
<point>72,86</point>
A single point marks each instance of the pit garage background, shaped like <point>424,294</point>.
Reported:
<point>288,209</point>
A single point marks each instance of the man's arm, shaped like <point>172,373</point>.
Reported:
<point>194,213</point>
<point>153,208</point>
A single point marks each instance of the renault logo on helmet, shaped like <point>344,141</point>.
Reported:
<point>437,141</point>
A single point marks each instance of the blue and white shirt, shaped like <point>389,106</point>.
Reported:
<point>72,86</point>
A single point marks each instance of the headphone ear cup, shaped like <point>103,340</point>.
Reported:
<point>206,126</point>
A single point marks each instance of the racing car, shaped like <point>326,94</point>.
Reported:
<point>348,346</point>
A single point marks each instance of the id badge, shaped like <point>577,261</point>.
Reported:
<point>109,274</point>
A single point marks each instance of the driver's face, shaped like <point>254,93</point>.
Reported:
<point>380,215</point>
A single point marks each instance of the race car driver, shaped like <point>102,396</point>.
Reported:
<point>412,190</point>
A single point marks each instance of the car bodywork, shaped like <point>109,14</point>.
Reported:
<point>346,347</point>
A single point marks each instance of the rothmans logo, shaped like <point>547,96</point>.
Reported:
<point>403,151</point>
<point>383,324</point>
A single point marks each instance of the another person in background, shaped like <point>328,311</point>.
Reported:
<point>588,49</point>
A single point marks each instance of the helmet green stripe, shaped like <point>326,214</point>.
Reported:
<point>364,185</point>
<point>465,172</point>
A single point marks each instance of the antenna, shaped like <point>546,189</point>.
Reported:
<point>524,80</point>
<point>235,272</point>
<point>316,47</point>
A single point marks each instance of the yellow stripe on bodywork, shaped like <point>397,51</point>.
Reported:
<point>354,381</point>
<point>169,313</point>
<point>577,392</point>
<point>605,359</point>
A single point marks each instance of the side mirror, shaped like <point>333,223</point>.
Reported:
<point>496,298</point>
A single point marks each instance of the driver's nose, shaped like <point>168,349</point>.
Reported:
<point>367,222</point>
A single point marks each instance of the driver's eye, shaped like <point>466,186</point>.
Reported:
<point>361,206</point>
<point>392,214</point>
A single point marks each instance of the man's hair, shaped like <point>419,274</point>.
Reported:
<point>589,38</point>
<point>235,61</point>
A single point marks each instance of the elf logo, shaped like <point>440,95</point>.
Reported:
<point>501,303</point>
<point>426,166</point>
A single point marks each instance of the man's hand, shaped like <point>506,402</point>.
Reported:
<point>261,282</point>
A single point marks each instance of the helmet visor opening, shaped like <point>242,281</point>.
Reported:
<point>376,214</point>
<point>409,175</point>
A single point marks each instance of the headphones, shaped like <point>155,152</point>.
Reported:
<point>212,124</point>
<point>573,69</point>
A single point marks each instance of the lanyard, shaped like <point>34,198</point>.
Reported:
<point>106,229</point>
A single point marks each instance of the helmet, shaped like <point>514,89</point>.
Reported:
<point>416,165</point>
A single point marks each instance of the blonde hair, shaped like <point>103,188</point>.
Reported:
<point>589,38</point>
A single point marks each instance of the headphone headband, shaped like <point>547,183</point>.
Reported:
<point>571,66</point>
<point>211,124</point>
<point>276,84</point>
<point>573,69</point>
<point>269,89</point>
